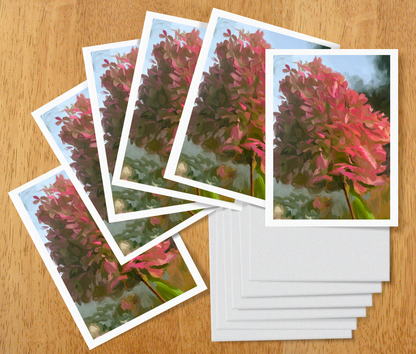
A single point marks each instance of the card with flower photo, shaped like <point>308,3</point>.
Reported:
<point>223,117</point>
<point>110,69</point>
<point>332,138</point>
<point>104,297</point>
<point>159,85</point>
<point>144,219</point>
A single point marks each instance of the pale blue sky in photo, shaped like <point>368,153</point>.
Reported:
<point>27,199</point>
<point>350,66</point>
<point>58,111</point>
<point>157,28</point>
<point>97,59</point>
<point>276,40</point>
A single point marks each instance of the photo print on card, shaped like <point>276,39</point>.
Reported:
<point>104,297</point>
<point>166,61</point>
<point>68,126</point>
<point>332,138</point>
<point>223,118</point>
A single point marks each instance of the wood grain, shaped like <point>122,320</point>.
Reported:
<point>41,58</point>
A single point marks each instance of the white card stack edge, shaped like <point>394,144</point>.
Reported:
<point>284,324</point>
<point>254,289</point>
<point>245,309</point>
<point>292,300</point>
<point>314,253</point>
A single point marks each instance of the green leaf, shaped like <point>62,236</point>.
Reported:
<point>167,291</point>
<point>361,210</point>
<point>259,184</point>
<point>209,194</point>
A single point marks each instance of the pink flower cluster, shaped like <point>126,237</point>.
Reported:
<point>326,134</point>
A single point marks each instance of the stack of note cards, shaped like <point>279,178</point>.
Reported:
<point>287,142</point>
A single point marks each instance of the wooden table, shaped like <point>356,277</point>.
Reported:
<point>41,58</point>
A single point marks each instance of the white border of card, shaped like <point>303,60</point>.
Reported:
<point>150,16</point>
<point>314,254</point>
<point>394,131</point>
<point>99,133</point>
<point>92,343</point>
<point>193,93</point>
<point>97,218</point>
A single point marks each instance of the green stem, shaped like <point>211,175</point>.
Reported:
<point>348,200</point>
<point>251,175</point>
